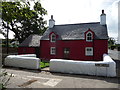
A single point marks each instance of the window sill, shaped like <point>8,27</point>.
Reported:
<point>88,55</point>
<point>52,54</point>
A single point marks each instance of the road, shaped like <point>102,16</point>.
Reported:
<point>114,54</point>
<point>35,79</point>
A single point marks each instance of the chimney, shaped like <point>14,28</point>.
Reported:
<point>103,18</point>
<point>51,22</point>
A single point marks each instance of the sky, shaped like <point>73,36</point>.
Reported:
<point>82,11</point>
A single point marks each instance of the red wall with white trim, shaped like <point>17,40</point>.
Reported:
<point>77,49</point>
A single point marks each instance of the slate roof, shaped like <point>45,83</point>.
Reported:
<point>76,31</point>
<point>31,41</point>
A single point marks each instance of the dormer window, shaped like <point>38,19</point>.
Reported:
<point>89,37</point>
<point>53,37</point>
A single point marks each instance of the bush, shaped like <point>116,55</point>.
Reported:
<point>113,47</point>
<point>44,64</point>
<point>118,48</point>
<point>109,47</point>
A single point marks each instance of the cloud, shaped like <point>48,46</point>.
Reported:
<point>112,19</point>
<point>119,22</point>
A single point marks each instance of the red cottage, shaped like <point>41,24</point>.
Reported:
<point>83,41</point>
<point>30,45</point>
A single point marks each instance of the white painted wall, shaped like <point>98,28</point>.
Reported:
<point>23,61</point>
<point>85,67</point>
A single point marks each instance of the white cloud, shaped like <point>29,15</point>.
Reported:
<point>112,19</point>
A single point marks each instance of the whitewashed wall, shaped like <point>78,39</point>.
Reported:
<point>100,68</point>
<point>22,61</point>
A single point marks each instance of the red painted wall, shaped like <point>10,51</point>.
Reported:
<point>77,49</point>
<point>26,50</point>
<point>100,47</point>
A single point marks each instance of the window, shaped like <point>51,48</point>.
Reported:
<point>53,37</point>
<point>89,51</point>
<point>52,50</point>
<point>66,51</point>
<point>89,37</point>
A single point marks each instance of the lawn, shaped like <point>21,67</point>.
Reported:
<point>44,64</point>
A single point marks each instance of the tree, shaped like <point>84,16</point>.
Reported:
<point>22,20</point>
<point>111,41</point>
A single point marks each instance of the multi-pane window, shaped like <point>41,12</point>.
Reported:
<point>89,37</point>
<point>53,37</point>
<point>89,51</point>
<point>52,50</point>
<point>66,51</point>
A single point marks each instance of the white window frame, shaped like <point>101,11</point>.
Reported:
<point>53,39</point>
<point>89,51</point>
<point>52,50</point>
<point>66,50</point>
<point>89,36</point>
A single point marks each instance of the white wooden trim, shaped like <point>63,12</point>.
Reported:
<point>91,36</point>
<point>51,51</point>
<point>51,37</point>
<point>89,53</point>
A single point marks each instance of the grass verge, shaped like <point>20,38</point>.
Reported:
<point>44,64</point>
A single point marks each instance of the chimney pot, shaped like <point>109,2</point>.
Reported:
<point>51,22</point>
<point>102,11</point>
<point>51,16</point>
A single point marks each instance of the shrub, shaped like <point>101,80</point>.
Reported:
<point>109,47</point>
<point>44,64</point>
<point>118,48</point>
<point>113,47</point>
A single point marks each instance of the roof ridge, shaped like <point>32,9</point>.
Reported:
<point>78,23</point>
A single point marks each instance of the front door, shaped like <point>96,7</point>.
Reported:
<point>66,52</point>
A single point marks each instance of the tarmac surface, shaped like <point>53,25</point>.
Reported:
<point>24,78</point>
